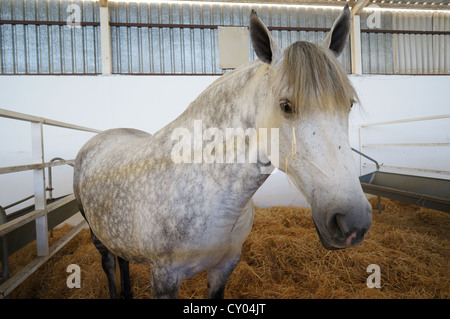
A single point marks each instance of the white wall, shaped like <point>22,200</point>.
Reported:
<point>149,103</point>
<point>146,103</point>
<point>389,98</point>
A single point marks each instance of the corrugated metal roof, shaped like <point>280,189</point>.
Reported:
<point>407,4</point>
<point>174,38</point>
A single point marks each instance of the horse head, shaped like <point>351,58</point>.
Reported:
<point>309,98</point>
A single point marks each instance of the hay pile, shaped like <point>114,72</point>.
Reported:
<point>283,258</point>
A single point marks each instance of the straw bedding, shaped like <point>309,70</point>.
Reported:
<point>283,258</point>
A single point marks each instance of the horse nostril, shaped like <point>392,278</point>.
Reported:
<point>342,225</point>
<point>337,226</point>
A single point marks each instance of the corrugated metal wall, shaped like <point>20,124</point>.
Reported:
<point>60,49</point>
<point>56,48</point>
<point>406,53</point>
<point>163,50</point>
<point>421,53</point>
<point>48,49</point>
<point>195,50</point>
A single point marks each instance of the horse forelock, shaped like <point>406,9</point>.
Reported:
<point>315,78</point>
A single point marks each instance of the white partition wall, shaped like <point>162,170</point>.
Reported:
<point>150,102</point>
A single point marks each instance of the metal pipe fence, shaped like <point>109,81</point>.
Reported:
<point>39,214</point>
<point>419,145</point>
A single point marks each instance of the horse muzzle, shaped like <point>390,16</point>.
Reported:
<point>343,230</point>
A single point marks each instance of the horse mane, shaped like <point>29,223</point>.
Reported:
<point>317,78</point>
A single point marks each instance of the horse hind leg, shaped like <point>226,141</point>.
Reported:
<point>125,292</point>
<point>108,265</point>
<point>108,259</point>
<point>218,277</point>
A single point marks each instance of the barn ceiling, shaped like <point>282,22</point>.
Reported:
<point>405,4</point>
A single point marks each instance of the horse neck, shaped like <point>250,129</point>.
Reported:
<point>230,102</point>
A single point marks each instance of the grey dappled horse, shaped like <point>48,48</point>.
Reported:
<point>183,218</point>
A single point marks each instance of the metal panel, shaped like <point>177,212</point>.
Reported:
<point>173,50</point>
<point>58,212</point>
<point>424,51</point>
<point>192,49</point>
<point>61,49</point>
<point>49,48</point>
<point>233,46</point>
<point>56,48</point>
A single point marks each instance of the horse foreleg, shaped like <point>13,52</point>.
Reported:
<point>165,282</point>
<point>218,277</point>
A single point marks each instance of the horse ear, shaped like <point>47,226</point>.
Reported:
<point>264,45</point>
<point>338,35</point>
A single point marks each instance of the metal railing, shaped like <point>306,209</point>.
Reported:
<point>39,215</point>
<point>419,119</point>
<point>50,177</point>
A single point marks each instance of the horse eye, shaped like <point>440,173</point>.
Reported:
<point>286,106</point>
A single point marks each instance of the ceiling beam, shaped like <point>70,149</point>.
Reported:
<point>357,8</point>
